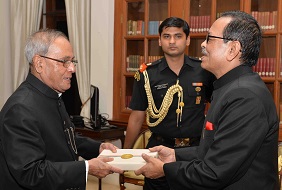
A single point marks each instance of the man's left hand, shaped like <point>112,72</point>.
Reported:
<point>153,168</point>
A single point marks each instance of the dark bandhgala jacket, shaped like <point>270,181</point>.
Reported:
<point>238,148</point>
<point>38,143</point>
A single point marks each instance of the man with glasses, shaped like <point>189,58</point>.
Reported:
<point>38,146</point>
<point>238,147</point>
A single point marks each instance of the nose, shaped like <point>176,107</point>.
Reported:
<point>204,43</point>
<point>203,46</point>
<point>172,40</point>
<point>72,68</point>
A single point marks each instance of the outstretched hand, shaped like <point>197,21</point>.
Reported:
<point>100,168</point>
<point>165,154</point>
<point>108,146</point>
<point>153,168</point>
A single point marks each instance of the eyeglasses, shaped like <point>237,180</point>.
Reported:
<point>210,36</point>
<point>66,63</point>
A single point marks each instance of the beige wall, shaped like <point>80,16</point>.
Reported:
<point>102,27</point>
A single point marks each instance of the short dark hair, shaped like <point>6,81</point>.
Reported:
<point>175,22</point>
<point>245,29</point>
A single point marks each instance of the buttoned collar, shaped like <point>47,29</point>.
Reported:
<point>232,75</point>
<point>40,86</point>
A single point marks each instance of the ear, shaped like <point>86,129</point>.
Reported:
<point>233,50</point>
<point>160,43</point>
<point>37,63</point>
<point>188,41</point>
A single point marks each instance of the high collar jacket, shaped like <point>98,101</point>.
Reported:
<point>238,147</point>
<point>37,142</point>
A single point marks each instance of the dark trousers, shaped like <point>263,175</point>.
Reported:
<point>154,184</point>
<point>160,183</point>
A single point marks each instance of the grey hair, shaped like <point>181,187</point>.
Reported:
<point>39,42</point>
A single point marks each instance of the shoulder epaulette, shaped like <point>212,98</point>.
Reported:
<point>195,58</point>
<point>144,66</point>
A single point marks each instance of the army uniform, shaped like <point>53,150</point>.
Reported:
<point>197,89</point>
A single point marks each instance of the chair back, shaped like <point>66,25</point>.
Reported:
<point>129,176</point>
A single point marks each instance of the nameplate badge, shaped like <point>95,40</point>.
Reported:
<point>161,86</point>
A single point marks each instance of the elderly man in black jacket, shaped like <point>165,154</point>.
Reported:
<point>38,146</point>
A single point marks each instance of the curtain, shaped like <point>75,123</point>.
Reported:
<point>18,20</point>
<point>6,85</point>
<point>78,20</point>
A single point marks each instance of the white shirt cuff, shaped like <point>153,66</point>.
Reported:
<point>86,169</point>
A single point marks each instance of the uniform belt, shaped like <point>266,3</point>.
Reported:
<point>176,142</point>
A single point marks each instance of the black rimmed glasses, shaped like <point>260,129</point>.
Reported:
<point>66,63</point>
<point>210,36</point>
